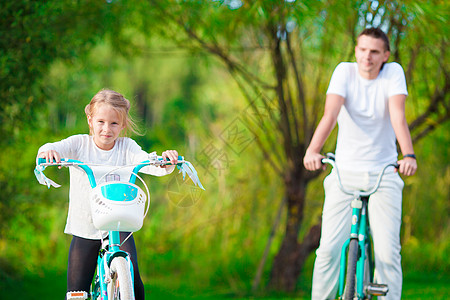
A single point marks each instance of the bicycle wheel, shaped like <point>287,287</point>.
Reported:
<point>120,287</point>
<point>95,290</point>
<point>350,282</point>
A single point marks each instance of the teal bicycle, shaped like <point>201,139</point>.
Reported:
<point>357,268</point>
<point>116,206</point>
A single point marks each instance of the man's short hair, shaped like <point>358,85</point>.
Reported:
<point>377,33</point>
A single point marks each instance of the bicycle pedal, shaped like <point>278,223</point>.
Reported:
<point>77,295</point>
<point>377,289</point>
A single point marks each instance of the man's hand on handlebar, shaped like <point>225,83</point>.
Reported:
<point>407,166</point>
<point>313,161</point>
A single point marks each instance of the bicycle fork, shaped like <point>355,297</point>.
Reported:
<point>357,205</point>
<point>103,264</point>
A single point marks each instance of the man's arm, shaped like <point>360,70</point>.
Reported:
<point>408,165</point>
<point>313,159</point>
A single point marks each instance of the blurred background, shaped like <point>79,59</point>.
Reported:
<point>237,87</point>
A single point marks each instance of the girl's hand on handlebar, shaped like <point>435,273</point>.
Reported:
<point>407,166</point>
<point>50,156</point>
<point>171,155</point>
<point>313,161</point>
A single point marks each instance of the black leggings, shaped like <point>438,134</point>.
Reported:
<point>83,261</point>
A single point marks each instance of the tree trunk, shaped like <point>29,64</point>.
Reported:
<point>290,259</point>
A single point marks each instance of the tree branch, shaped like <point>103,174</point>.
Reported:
<point>214,48</point>
<point>438,97</point>
<point>272,144</point>
<point>300,91</point>
<point>280,73</point>
<point>430,128</point>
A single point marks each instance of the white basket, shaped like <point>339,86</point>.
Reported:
<point>118,206</point>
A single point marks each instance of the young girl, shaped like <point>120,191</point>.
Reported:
<point>107,116</point>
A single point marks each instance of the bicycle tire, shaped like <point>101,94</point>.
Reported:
<point>95,290</point>
<point>367,271</point>
<point>121,286</point>
<point>350,282</point>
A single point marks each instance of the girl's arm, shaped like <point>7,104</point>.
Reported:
<point>64,148</point>
<point>136,155</point>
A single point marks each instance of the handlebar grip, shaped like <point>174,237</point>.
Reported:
<point>179,158</point>
<point>331,156</point>
<point>43,160</point>
<point>328,157</point>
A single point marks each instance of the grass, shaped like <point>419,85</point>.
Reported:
<point>51,285</point>
<point>426,286</point>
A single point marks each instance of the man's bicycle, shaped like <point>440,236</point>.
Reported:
<point>357,268</point>
<point>116,206</point>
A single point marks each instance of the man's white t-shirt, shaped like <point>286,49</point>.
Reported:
<point>366,140</point>
<point>83,148</point>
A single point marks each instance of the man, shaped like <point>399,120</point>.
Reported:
<point>367,99</point>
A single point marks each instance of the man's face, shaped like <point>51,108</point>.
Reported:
<point>370,54</point>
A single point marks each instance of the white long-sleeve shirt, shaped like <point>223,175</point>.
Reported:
<point>82,147</point>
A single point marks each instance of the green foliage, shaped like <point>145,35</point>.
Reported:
<point>32,34</point>
<point>185,100</point>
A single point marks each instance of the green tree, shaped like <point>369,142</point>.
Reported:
<point>282,53</point>
<point>35,34</point>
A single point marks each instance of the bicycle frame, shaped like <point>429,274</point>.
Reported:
<point>106,255</point>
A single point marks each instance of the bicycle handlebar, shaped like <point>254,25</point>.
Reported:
<point>159,161</point>
<point>66,162</point>
<point>184,166</point>
<point>330,159</point>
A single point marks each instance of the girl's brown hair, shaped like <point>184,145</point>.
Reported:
<point>119,103</point>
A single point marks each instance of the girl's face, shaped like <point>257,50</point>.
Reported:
<point>106,125</point>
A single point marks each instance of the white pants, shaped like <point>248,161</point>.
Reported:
<point>385,208</point>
